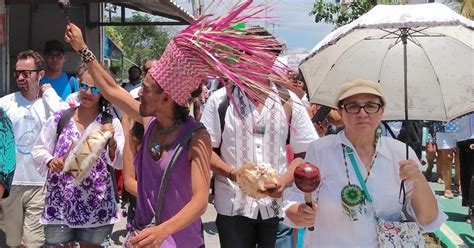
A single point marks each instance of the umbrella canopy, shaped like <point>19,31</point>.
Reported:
<point>425,51</point>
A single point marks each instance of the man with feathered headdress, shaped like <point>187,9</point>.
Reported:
<point>208,47</point>
<point>251,139</point>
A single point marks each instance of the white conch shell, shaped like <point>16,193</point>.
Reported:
<point>252,177</point>
<point>84,155</point>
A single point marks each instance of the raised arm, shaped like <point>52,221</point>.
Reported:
<point>107,85</point>
<point>129,177</point>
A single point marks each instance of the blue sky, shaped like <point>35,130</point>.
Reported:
<point>291,23</point>
<point>295,26</point>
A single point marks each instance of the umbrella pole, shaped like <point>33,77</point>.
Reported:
<point>404,36</point>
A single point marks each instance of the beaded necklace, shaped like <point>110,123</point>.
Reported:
<point>157,149</point>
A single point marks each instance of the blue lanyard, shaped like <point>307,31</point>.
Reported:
<point>350,152</point>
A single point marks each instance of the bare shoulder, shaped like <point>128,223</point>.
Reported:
<point>201,135</point>
<point>200,143</point>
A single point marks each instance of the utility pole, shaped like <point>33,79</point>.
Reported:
<point>197,8</point>
<point>266,15</point>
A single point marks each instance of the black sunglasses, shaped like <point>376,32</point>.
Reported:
<point>24,73</point>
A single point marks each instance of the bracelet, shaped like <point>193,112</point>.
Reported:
<point>86,55</point>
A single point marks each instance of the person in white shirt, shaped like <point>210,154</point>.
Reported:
<point>243,221</point>
<point>28,109</point>
<point>343,219</point>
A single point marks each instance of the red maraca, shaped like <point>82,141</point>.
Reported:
<point>307,178</point>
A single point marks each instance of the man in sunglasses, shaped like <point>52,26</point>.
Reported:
<point>28,109</point>
<point>62,82</point>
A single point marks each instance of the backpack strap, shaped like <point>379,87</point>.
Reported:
<point>222,109</point>
<point>166,175</point>
<point>65,118</point>
<point>287,104</point>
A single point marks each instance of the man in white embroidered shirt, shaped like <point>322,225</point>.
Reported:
<point>259,133</point>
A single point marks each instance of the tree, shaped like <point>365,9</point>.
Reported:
<point>340,14</point>
<point>139,43</point>
<point>466,8</point>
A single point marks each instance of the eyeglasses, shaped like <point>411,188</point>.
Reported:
<point>24,73</point>
<point>369,108</point>
<point>85,87</point>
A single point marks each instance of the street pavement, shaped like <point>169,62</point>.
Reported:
<point>118,234</point>
<point>211,237</point>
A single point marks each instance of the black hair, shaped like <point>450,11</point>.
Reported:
<point>137,131</point>
<point>300,77</point>
<point>182,112</point>
<point>39,60</point>
<point>134,67</point>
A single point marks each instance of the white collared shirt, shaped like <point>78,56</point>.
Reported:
<point>240,144</point>
<point>333,227</point>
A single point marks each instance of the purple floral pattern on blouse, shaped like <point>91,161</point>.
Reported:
<point>91,203</point>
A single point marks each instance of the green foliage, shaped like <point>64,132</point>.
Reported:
<point>339,14</point>
<point>114,35</point>
<point>139,43</point>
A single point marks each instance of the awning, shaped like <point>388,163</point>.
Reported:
<point>164,8</point>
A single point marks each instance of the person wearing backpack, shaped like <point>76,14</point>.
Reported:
<point>240,215</point>
<point>63,83</point>
<point>253,131</point>
<point>80,203</point>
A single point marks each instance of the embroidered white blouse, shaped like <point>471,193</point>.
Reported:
<point>260,138</point>
<point>333,227</point>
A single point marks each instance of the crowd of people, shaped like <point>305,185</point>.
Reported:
<point>174,130</point>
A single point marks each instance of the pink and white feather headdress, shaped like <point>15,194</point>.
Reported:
<point>213,47</point>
